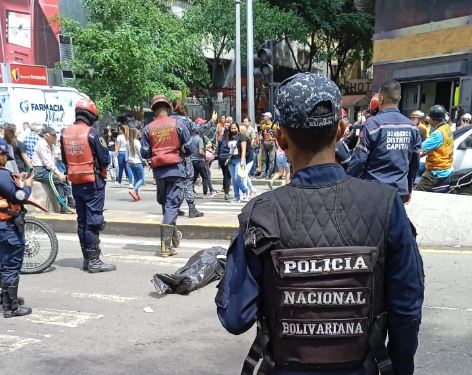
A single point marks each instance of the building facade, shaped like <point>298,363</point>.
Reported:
<point>427,46</point>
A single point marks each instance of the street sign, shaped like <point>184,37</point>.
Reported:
<point>28,74</point>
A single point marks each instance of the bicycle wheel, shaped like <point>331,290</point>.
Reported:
<point>41,246</point>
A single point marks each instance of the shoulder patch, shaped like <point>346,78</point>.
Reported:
<point>103,143</point>
<point>20,195</point>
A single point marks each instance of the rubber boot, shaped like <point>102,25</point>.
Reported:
<point>176,237</point>
<point>193,212</point>
<point>11,306</point>
<point>167,232</point>
<point>96,265</point>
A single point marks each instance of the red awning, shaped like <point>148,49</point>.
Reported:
<point>351,100</point>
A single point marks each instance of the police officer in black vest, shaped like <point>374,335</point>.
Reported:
<point>324,275</point>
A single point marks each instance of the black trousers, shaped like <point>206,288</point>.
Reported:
<point>428,182</point>
<point>200,169</point>
<point>226,175</point>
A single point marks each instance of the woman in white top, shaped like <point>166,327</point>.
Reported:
<point>135,162</point>
<point>121,147</point>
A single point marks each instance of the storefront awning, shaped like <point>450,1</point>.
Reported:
<point>352,100</point>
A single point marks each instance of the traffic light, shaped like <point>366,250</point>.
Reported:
<point>262,65</point>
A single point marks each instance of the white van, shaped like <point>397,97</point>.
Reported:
<point>50,105</point>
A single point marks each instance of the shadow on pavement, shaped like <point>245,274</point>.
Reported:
<point>69,263</point>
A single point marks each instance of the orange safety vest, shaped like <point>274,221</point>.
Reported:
<point>79,155</point>
<point>6,207</point>
<point>164,142</point>
<point>442,158</point>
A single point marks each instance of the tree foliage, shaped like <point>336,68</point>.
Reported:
<point>130,50</point>
<point>214,21</point>
<point>337,32</point>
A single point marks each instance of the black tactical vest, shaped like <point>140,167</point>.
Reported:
<point>323,252</point>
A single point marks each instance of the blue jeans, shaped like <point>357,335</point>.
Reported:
<point>238,183</point>
<point>138,175</point>
<point>123,165</point>
<point>253,170</point>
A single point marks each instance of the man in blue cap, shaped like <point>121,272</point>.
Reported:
<point>13,195</point>
<point>324,275</point>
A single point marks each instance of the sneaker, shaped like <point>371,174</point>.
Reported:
<point>131,186</point>
<point>134,195</point>
<point>245,198</point>
<point>235,200</point>
<point>117,184</point>
<point>226,197</point>
<point>213,193</point>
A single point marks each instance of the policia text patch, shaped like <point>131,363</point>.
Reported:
<point>323,265</point>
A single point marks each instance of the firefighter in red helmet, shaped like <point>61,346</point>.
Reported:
<point>85,154</point>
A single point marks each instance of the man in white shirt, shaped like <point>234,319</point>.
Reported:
<point>44,162</point>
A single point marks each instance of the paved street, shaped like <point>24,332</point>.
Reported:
<point>95,324</point>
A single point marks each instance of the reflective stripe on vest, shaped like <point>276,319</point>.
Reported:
<point>442,158</point>
<point>164,142</point>
<point>79,155</point>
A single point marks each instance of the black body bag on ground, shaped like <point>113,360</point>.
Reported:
<point>201,269</point>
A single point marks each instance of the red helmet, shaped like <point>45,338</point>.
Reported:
<point>374,103</point>
<point>86,111</point>
<point>86,104</point>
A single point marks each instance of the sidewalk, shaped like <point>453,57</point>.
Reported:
<point>215,226</point>
<point>441,220</point>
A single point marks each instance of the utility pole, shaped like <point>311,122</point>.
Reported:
<point>250,63</point>
<point>238,61</point>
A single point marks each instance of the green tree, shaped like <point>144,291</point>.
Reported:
<point>130,50</point>
<point>338,33</point>
<point>214,21</point>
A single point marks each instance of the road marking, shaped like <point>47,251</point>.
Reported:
<point>62,318</point>
<point>443,251</point>
<point>95,296</point>
<point>106,241</point>
<point>103,297</point>
<point>10,343</point>
<point>148,259</point>
<point>445,308</point>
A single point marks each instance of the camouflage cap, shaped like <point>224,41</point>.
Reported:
<point>297,97</point>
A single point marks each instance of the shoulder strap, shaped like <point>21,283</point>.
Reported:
<point>259,224</point>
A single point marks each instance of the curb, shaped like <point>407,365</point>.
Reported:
<point>62,224</point>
